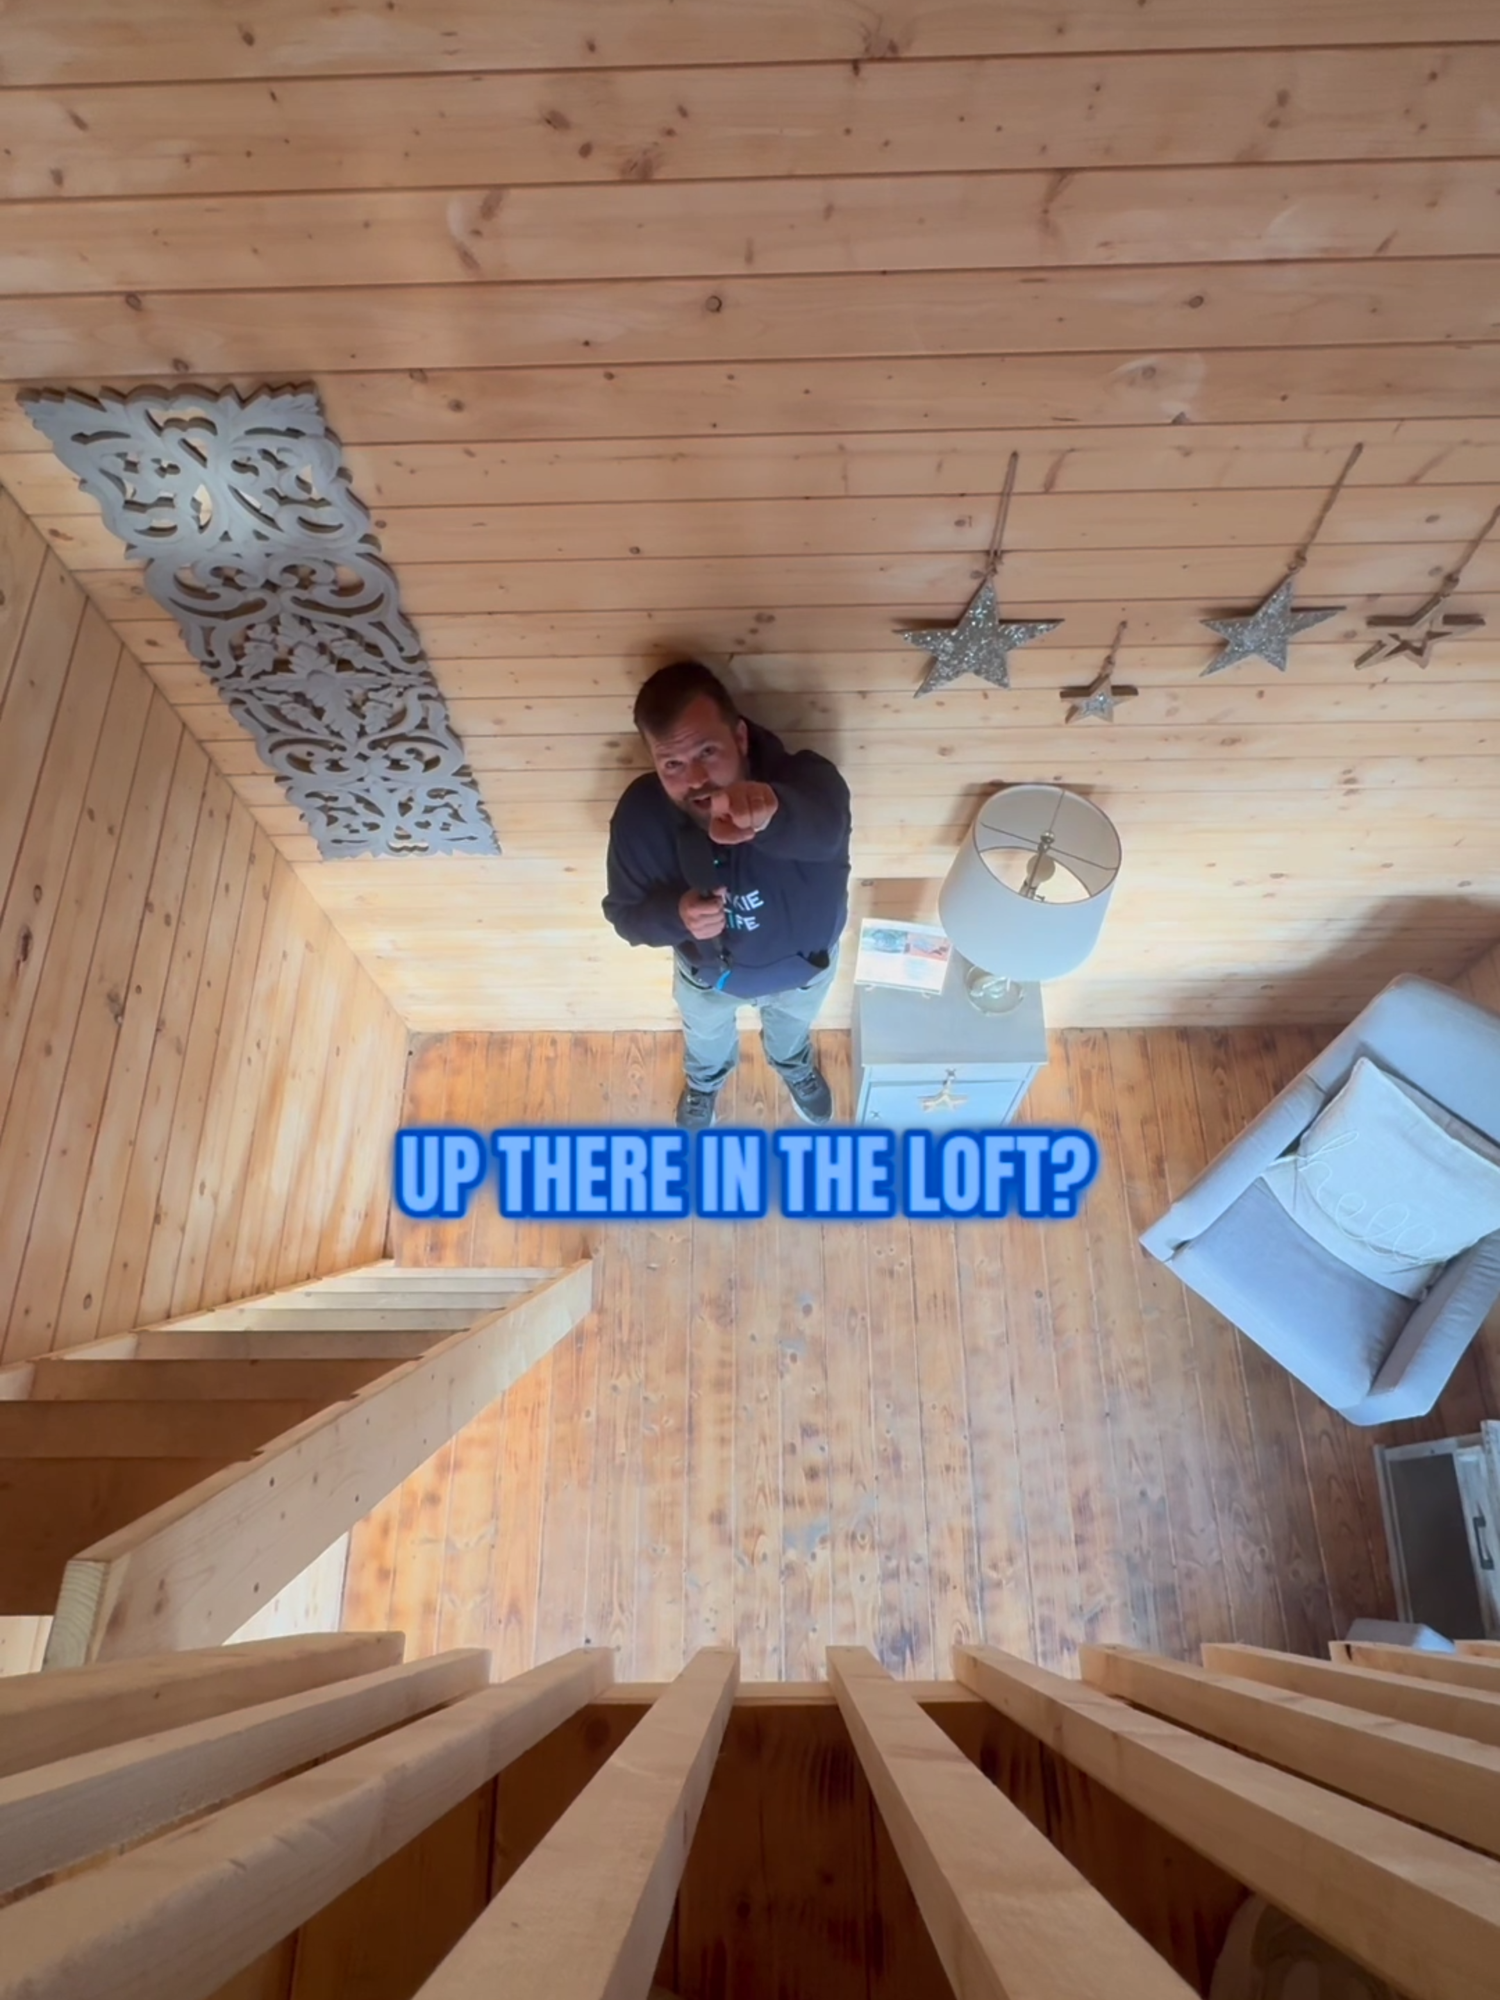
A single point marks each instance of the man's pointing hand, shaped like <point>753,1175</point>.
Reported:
<point>740,812</point>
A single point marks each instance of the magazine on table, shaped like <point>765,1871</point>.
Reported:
<point>912,956</point>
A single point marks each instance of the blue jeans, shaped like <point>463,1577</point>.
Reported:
<point>712,1038</point>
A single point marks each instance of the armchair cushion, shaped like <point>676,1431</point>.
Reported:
<point>1326,1324</point>
<point>1385,1187</point>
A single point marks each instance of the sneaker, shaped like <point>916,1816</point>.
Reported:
<point>812,1097</point>
<point>697,1109</point>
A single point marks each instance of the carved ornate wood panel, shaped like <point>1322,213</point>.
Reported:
<point>243,513</point>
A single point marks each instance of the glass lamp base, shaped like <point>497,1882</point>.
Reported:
<point>989,993</point>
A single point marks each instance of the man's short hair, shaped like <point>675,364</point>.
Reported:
<point>670,690</point>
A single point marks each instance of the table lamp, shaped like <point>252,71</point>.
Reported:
<point>1026,895</point>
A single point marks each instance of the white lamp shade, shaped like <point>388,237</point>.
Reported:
<point>1028,938</point>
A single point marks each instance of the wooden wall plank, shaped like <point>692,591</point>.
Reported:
<point>36,684</point>
<point>66,789</point>
<point>101,1099</point>
<point>21,557</point>
<point>126,863</point>
<point>108,1269</point>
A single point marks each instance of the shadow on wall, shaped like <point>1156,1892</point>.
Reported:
<point>1437,937</point>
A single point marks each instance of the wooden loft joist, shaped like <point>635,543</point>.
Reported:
<point>418,1833</point>
<point>161,1486</point>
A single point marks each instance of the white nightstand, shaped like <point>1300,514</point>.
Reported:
<point>935,1060</point>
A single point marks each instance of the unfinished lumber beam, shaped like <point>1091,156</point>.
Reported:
<point>44,1717</point>
<point>197,1568</point>
<point>1446,1783</point>
<point>174,1919</point>
<point>1461,1670</point>
<point>1429,1704</point>
<point>1009,1916</point>
<point>1416,1910</point>
<point>618,1853</point>
<point>59,1813</point>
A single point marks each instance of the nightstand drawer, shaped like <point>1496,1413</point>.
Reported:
<point>988,1101</point>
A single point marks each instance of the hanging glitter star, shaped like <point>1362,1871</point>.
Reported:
<point>1267,632</point>
<point>980,643</point>
<point>1101,694</point>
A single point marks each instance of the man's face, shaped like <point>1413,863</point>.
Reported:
<point>699,755</point>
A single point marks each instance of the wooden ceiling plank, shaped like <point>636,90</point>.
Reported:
<point>94,42</point>
<point>422,401</point>
<point>1154,108</point>
<point>399,315</point>
<point>682,531</point>
<point>883,224</point>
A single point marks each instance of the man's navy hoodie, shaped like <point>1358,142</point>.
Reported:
<point>787,888</point>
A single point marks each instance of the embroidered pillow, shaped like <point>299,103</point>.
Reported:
<point>1386,1188</point>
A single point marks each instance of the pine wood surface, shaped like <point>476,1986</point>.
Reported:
<point>893,1435</point>
<point>199,1079</point>
<point>710,329</point>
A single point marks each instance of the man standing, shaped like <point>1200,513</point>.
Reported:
<point>736,854</point>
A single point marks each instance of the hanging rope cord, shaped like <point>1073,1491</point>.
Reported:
<point>1299,560</point>
<point>997,550</point>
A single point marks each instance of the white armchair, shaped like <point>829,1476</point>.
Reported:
<point>1369,1352</point>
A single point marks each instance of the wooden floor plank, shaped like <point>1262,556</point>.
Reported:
<point>904,1637</point>
<point>1197,1562</point>
<point>625,1323</point>
<point>554,1094</point>
<point>1002,1541</point>
<point>666,1253</point>
<point>761,1303</point>
<point>522,1467</point>
<point>1124,1354</point>
<point>853,1499</point>
<point>801,1336</point>
<point>1115,1591</point>
<point>1198,1121</point>
<point>713,1400</point>
<point>948,1473</point>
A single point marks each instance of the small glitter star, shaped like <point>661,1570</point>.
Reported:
<point>1267,632</point>
<point>1098,698</point>
<point>978,644</point>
